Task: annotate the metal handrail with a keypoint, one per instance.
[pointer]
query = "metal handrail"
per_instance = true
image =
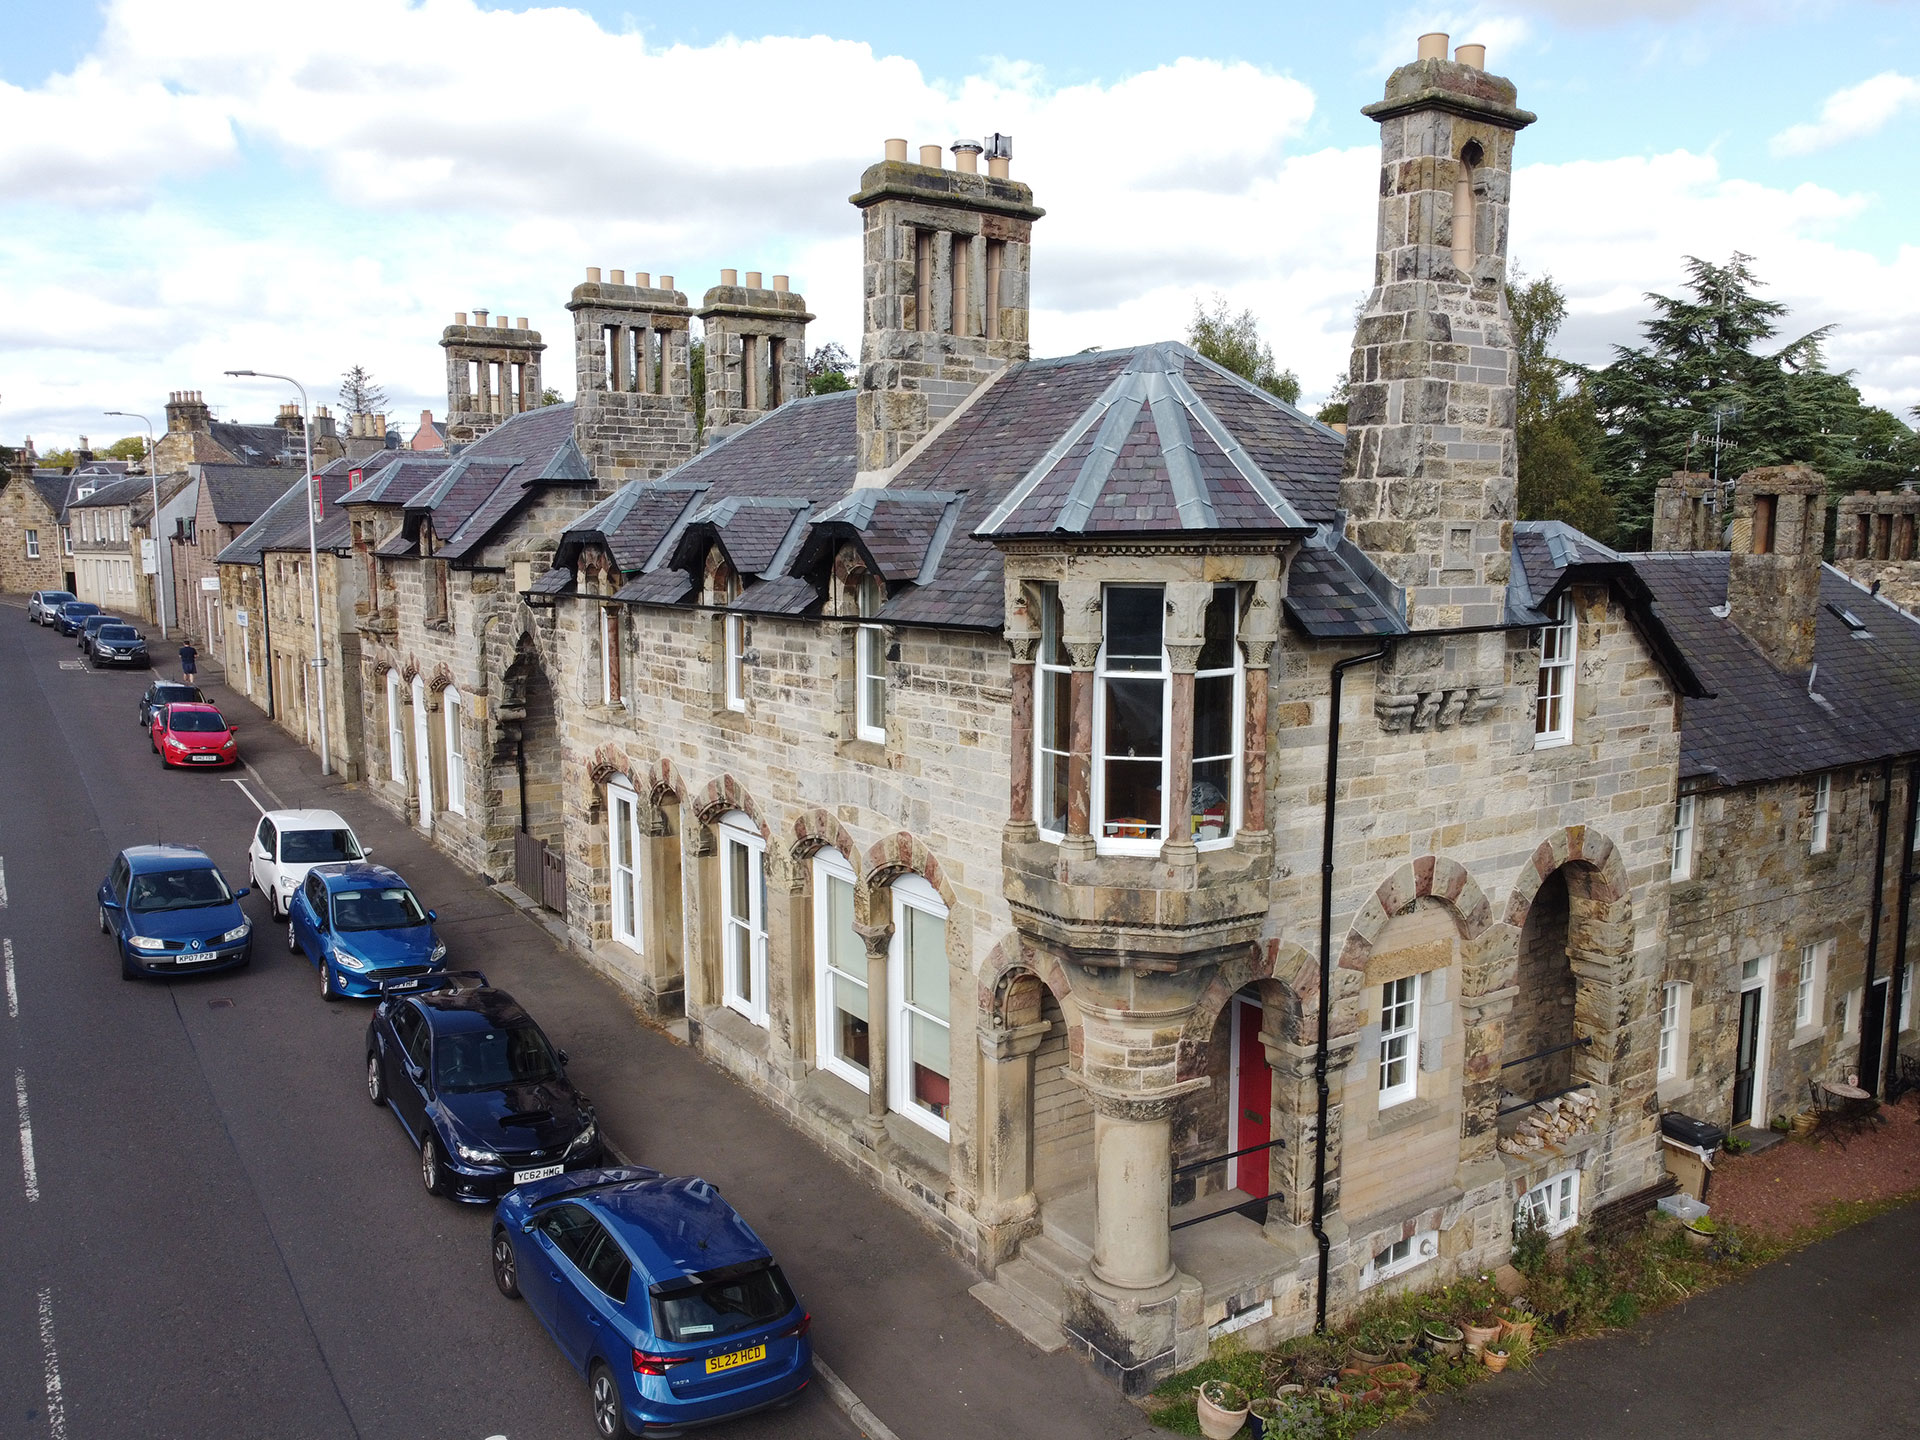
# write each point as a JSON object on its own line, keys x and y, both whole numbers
{"x": 1241, "y": 1208}
{"x": 1551, "y": 1050}
{"x": 1230, "y": 1155}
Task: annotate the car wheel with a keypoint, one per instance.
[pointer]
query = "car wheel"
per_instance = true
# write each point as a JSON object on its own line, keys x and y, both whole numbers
{"x": 608, "y": 1422}
{"x": 105, "y": 929}
{"x": 376, "y": 1082}
{"x": 430, "y": 1175}
{"x": 328, "y": 990}
{"x": 127, "y": 972}
{"x": 506, "y": 1277}
{"x": 293, "y": 941}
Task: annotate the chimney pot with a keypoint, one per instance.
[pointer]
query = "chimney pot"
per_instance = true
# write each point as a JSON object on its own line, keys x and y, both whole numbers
{"x": 780, "y": 284}
{"x": 616, "y": 277}
{"x": 593, "y": 274}
{"x": 523, "y": 322}
{"x": 966, "y": 156}
{"x": 930, "y": 157}
{"x": 459, "y": 317}
{"x": 666, "y": 282}
{"x": 642, "y": 279}
{"x": 1474, "y": 57}
{"x": 998, "y": 165}
{"x": 1433, "y": 45}
{"x": 753, "y": 280}
{"x": 480, "y": 318}
{"x": 897, "y": 150}
{"x": 729, "y": 277}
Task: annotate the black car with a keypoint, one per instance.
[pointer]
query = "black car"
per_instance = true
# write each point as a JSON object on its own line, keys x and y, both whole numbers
{"x": 68, "y": 617}
{"x": 167, "y": 692}
{"x": 477, "y": 1086}
{"x": 119, "y": 645}
{"x": 89, "y": 625}
{"x": 42, "y": 604}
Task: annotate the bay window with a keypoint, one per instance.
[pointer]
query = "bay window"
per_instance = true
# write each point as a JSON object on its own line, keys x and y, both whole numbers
{"x": 1399, "y": 1040}
{"x": 841, "y": 1024}
{"x": 918, "y": 1045}
{"x": 1053, "y": 718}
{"x": 1553, "y": 693}
{"x": 870, "y": 665}
{"x": 1132, "y": 699}
{"x": 1216, "y": 722}
{"x": 743, "y": 908}
{"x": 623, "y": 857}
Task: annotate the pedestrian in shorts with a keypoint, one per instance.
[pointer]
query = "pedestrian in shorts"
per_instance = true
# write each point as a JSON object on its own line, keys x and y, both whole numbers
{"x": 186, "y": 662}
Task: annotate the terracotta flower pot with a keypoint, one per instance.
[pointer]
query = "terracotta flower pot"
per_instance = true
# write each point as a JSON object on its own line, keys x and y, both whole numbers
{"x": 1223, "y": 1412}
{"x": 1362, "y": 1358}
{"x": 1494, "y": 1360}
{"x": 1480, "y": 1336}
{"x": 1398, "y": 1377}
{"x": 1517, "y": 1332}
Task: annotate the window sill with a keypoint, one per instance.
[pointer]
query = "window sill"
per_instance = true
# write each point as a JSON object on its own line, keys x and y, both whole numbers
{"x": 735, "y": 1029}
{"x": 1807, "y": 1034}
{"x": 865, "y": 752}
{"x": 1552, "y": 742}
{"x": 1405, "y": 1115}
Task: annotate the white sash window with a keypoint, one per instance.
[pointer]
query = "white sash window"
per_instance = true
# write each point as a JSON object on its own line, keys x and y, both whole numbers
{"x": 743, "y": 910}
{"x": 918, "y": 1043}
{"x": 840, "y": 973}
{"x": 623, "y": 855}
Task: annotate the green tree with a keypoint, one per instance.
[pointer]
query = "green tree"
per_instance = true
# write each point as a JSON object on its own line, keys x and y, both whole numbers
{"x": 551, "y": 396}
{"x": 360, "y": 393}
{"x": 127, "y": 447}
{"x": 827, "y": 369}
{"x": 1334, "y": 412}
{"x": 59, "y": 460}
{"x": 1233, "y": 341}
{"x": 1555, "y": 430}
{"x": 697, "y": 373}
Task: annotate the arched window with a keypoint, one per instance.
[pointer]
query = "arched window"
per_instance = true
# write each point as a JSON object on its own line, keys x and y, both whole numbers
{"x": 623, "y": 855}
{"x": 396, "y": 731}
{"x": 1132, "y": 700}
{"x": 456, "y": 754}
{"x": 919, "y": 1049}
{"x": 743, "y": 916}
{"x": 839, "y": 972}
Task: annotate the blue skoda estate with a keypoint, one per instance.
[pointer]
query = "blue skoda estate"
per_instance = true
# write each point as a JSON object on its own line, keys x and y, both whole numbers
{"x": 362, "y": 928}
{"x": 170, "y": 912}
{"x": 656, "y": 1291}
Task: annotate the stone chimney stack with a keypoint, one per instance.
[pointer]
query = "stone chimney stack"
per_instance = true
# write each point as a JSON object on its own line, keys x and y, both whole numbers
{"x": 1877, "y": 541}
{"x": 946, "y": 260}
{"x": 493, "y": 372}
{"x": 1686, "y": 513}
{"x": 1431, "y": 471}
{"x": 1773, "y": 578}
{"x": 633, "y": 414}
{"x": 756, "y": 347}
{"x": 187, "y": 412}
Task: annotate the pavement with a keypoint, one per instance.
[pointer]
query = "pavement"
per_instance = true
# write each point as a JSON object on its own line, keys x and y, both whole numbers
{"x": 225, "y": 1239}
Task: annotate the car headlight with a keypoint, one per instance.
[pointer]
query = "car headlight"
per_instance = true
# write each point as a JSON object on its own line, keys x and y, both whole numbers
{"x": 346, "y": 961}
{"x": 584, "y": 1140}
{"x": 439, "y": 953}
{"x": 146, "y": 942}
{"x": 239, "y": 932}
{"x": 286, "y": 883}
{"x": 473, "y": 1156}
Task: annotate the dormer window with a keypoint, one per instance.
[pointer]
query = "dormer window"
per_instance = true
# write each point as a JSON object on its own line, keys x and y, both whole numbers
{"x": 870, "y": 665}
{"x": 1553, "y": 692}
{"x": 1131, "y": 701}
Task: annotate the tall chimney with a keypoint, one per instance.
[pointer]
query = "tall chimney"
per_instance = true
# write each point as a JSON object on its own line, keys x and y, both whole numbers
{"x": 1773, "y": 575}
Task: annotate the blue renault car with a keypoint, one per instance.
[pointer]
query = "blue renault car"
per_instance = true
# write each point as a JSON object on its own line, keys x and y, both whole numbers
{"x": 170, "y": 912}
{"x": 658, "y": 1292}
{"x": 362, "y": 928}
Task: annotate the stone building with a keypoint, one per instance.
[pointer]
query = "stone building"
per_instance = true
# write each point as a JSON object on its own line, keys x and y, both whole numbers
{"x": 633, "y": 406}
{"x": 227, "y": 499}
{"x": 1874, "y": 543}
{"x": 493, "y": 373}
{"x": 756, "y": 350}
{"x": 31, "y": 530}
{"x": 194, "y": 437}
{"x": 106, "y": 566}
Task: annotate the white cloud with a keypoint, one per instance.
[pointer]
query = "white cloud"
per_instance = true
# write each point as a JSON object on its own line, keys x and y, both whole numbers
{"x": 1850, "y": 114}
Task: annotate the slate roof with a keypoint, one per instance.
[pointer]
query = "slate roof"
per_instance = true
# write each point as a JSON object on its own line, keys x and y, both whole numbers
{"x": 1334, "y": 592}
{"x": 284, "y": 525}
{"x": 1861, "y": 703}
{"x": 256, "y": 444}
{"x": 393, "y": 477}
{"x": 112, "y": 492}
{"x": 53, "y": 489}
{"x": 240, "y": 494}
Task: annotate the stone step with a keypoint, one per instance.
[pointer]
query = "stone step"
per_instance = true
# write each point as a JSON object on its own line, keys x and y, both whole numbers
{"x": 1033, "y": 1285}
{"x": 1068, "y": 1223}
{"x": 1057, "y": 1261}
{"x": 1039, "y": 1330}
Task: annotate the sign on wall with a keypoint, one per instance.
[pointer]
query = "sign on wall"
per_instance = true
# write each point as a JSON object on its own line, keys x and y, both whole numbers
{"x": 209, "y": 582}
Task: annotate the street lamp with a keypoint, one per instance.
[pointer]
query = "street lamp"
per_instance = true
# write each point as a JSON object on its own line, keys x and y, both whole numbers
{"x": 313, "y": 552}
{"x": 162, "y": 585}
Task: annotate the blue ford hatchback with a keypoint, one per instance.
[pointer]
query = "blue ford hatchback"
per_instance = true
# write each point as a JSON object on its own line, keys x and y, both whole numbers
{"x": 658, "y": 1292}
{"x": 362, "y": 928}
{"x": 170, "y": 912}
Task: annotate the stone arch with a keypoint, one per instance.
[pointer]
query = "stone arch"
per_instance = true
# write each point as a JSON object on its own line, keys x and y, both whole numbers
{"x": 663, "y": 783}
{"x": 1277, "y": 968}
{"x": 902, "y": 854}
{"x": 409, "y": 669}
{"x": 1597, "y": 857}
{"x": 815, "y": 830}
{"x": 1002, "y": 971}
{"x": 1429, "y": 877}
{"x": 383, "y": 659}
{"x": 441, "y": 679}
{"x": 724, "y": 793}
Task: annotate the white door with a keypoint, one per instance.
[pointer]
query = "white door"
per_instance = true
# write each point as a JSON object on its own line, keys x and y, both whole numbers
{"x": 422, "y": 769}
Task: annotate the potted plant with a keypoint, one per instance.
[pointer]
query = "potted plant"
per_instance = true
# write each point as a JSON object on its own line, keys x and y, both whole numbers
{"x": 1481, "y": 1330}
{"x": 1223, "y": 1409}
{"x": 1295, "y": 1417}
{"x": 1516, "y": 1323}
{"x": 1401, "y": 1335}
{"x": 1495, "y": 1356}
{"x": 1263, "y": 1416}
{"x": 1369, "y": 1349}
{"x": 1444, "y": 1338}
{"x": 1352, "y": 1390}
{"x": 1396, "y": 1378}
{"x": 1701, "y": 1231}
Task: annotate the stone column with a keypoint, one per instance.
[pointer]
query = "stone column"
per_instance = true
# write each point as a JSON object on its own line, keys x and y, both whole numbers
{"x": 1253, "y": 763}
{"x": 1080, "y": 766}
{"x": 1132, "y": 1187}
{"x": 1007, "y": 1205}
{"x": 879, "y": 942}
{"x": 1020, "y": 824}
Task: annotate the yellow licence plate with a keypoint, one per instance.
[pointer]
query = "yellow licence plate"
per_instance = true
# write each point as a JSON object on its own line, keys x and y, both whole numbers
{"x": 717, "y": 1363}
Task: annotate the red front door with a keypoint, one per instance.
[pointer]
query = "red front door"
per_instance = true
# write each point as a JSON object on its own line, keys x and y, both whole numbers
{"x": 1252, "y": 1099}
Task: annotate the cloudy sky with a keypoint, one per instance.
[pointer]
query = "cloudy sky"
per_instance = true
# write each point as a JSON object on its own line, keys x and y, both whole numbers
{"x": 190, "y": 186}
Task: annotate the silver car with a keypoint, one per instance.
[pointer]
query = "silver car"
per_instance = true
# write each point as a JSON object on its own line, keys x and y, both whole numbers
{"x": 42, "y": 603}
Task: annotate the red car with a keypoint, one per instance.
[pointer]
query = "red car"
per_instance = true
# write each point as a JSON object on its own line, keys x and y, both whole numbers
{"x": 193, "y": 735}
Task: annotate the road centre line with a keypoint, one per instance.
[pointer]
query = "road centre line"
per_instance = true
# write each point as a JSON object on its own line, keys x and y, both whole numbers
{"x": 50, "y": 1364}
{"x": 248, "y": 793}
{"x": 27, "y": 1166}
{"x": 13, "y": 990}
{"x": 3, "y": 882}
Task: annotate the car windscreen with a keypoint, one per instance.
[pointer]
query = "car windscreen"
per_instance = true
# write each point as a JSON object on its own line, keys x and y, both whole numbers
{"x": 177, "y": 890}
{"x": 81, "y": 607}
{"x": 392, "y": 908}
{"x": 176, "y": 695}
{"x": 706, "y": 1307}
{"x": 195, "y": 721}
{"x": 54, "y": 598}
{"x": 124, "y": 634}
{"x": 317, "y": 847}
{"x": 493, "y": 1059}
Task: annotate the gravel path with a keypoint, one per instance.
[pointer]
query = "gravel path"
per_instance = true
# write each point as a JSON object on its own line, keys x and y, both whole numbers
{"x": 1790, "y": 1185}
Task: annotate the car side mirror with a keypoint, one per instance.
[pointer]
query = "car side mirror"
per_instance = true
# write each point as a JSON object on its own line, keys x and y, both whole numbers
{"x": 111, "y": 904}
{"x": 564, "y": 1057}
{"x": 526, "y": 1226}
{"x": 365, "y": 853}
{"x": 432, "y": 916}
{"x": 243, "y": 892}
{"x": 233, "y": 729}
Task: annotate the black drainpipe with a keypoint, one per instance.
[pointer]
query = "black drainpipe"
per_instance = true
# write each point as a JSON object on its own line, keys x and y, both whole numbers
{"x": 266, "y": 639}
{"x": 1870, "y": 1065}
{"x": 1340, "y": 669}
{"x": 1891, "y": 1090}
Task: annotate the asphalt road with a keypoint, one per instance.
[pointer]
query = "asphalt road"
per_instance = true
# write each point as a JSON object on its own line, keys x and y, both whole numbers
{"x": 216, "y": 1234}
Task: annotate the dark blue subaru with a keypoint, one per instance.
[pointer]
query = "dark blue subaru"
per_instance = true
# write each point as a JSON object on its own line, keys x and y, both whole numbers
{"x": 658, "y": 1292}
{"x": 170, "y": 912}
{"x": 362, "y": 928}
